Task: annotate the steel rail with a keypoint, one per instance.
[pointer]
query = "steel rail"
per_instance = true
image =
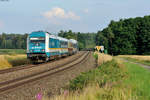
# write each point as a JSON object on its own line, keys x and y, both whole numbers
{"x": 25, "y": 67}
{"x": 4, "y": 86}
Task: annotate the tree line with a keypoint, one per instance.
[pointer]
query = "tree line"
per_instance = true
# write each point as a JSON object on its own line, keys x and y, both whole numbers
{"x": 13, "y": 41}
{"x": 126, "y": 36}
{"x": 85, "y": 40}
{"x": 18, "y": 41}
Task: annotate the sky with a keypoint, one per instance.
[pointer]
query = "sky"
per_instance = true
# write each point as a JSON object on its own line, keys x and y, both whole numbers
{"x": 25, "y": 16}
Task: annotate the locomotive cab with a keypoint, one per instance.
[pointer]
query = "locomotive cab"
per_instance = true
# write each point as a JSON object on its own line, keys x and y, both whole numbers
{"x": 36, "y": 46}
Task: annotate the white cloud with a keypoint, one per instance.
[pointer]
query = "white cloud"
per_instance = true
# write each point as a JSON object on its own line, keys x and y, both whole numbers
{"x": 57, "y": 12}
{"x": 86, "y": 10}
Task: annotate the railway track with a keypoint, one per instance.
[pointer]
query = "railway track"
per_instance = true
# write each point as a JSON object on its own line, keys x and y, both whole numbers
{"x": 12, "y": 84}
{"x": 24, "y": 67}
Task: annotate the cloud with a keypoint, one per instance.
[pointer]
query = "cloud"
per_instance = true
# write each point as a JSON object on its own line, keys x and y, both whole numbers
{"x": 57, "y": 12}
{"x": 86, "y": 10}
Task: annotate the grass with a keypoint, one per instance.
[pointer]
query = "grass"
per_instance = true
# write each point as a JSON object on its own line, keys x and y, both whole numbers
{"x": 107, "y": 73}
{"x": 135, "y": 58}
{"x": 12, "y": 51}
{"x": 95, "y": 55}
{"x": 8, "y": 61}
{"x": 102, "y": 58}
{"x": 98, "y": 84}
{"x": 112, "y": 80}
{"x": 139, "y": 81}
{"x": 4, "y": 64}
{"x": 97, "y": 93}
{"x": 16, "y": 60}
{"x": 12, "y": 57}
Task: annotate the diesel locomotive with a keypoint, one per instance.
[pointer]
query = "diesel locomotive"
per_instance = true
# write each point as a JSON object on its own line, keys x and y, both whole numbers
{"x": 42, "y": 46}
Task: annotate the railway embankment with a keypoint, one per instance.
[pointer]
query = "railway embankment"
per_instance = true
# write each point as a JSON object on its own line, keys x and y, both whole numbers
{"x": 53, "y": 82}
{"x": 111, "y": 80}
{"x": 34, "y": 69}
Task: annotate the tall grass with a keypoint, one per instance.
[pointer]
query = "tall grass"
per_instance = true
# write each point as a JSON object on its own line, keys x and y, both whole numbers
{"x": 16, "y": 60}
{"x": 4, "y": 64}
{"x": 109, "y": 72}
{"x": 95, "y": 55}
{"x": 97, "y": 93}
{"x": 138, "y": 57}
{"x": 113, "y": 80}
{"x": 102, "y": 58}
{"x": 102, "y": 83}
{"x": 8, "y": 61}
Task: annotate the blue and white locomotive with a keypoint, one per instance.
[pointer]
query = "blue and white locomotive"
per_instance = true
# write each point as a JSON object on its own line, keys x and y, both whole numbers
{"x": 44, "y": 46}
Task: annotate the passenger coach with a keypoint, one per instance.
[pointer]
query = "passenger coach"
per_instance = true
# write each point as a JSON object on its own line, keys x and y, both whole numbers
{"x": 44, "y": 46}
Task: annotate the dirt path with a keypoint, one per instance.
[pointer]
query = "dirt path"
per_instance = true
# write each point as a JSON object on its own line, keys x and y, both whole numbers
{"x": 142, "y": 65}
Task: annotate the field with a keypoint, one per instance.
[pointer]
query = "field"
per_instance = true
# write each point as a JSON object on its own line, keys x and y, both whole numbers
{"x": 112, "y": 80}
{"x": 138, "y": 81}
{"x": 12, "y": 57}
{"x": 12, "y": 51}
{"x": 8, "y": 61}
{"x": 137, "y": 58}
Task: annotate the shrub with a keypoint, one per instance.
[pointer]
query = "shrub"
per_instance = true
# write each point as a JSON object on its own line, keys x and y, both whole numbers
{"x": 109, "y": 72}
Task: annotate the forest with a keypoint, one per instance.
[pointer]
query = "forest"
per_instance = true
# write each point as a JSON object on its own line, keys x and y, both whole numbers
{"x": 126, "y": 36}
{"x": 13, "y": 41}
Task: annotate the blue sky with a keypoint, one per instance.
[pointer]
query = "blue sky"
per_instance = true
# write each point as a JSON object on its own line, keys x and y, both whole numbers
{"x": 25, "y": 16}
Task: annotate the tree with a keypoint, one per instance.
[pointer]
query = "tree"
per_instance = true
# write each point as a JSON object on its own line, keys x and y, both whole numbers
{"x": 127, "y": 36}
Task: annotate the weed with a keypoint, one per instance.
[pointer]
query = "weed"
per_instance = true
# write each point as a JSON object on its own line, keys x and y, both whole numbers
{"x": 95, "y": 55}
{"x": 106, "y": 73}
{"x": 99, "y": 84}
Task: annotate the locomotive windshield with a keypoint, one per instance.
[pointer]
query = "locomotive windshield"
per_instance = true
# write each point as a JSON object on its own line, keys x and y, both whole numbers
{"x": 37, "y": 40}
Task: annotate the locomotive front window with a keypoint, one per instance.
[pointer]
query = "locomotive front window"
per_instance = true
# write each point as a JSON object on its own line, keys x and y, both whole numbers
{"x": 37, "y": 40}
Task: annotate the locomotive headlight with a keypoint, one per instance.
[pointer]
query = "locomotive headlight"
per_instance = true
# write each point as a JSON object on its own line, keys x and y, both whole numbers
{"x": 31, "y": 50}
{"x": 43, "y": 50}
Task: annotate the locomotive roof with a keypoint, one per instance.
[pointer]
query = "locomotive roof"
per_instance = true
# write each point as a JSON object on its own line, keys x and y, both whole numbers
{"x": 53, "y": 36}
{"x": 42, "y": 33}
{"x": 39, "y": 33}
{"x": 59, "y": 38}
{"x": 73, "y": 41}
{"x": 62, "y": 39}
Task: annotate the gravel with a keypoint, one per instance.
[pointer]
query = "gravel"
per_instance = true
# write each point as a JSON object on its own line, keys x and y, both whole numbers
{"x": 50, "y": 85}
{"x": 29, "y": 71}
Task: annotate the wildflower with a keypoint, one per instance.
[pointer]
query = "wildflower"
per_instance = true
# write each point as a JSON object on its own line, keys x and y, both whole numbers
{"x": 39, "y": 96}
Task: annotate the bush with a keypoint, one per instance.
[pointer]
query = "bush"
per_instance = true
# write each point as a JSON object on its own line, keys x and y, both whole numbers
{"x": 109, "y": 72}
{"x": 95, "y": 56}
{"x": 16, "y": 60}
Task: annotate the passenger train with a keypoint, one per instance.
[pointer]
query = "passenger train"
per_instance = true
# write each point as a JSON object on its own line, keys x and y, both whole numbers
{"x": 42, "y": 46}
